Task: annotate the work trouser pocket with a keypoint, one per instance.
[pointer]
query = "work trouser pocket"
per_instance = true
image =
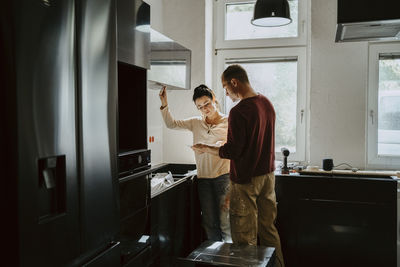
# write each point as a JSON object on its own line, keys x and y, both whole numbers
{"x": 239, "y": 216}
{"x": 243, "y": 215}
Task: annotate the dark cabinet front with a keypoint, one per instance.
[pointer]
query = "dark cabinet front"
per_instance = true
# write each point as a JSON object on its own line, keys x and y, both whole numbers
{"x": 175, "y": 224}
{"x": 337, "y": 221}
{"x": 170, "y": 225}
{"x": 134, "y": 192}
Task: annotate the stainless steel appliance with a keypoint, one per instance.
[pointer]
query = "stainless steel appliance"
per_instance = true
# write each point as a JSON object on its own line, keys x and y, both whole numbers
{"x": 133, "y": 161}
{"x": 59, "y": 95}
{"x": 358, "y": 20}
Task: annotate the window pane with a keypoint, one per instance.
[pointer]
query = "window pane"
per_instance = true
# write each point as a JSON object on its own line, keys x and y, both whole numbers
{"x": 389, "y": 107}
{"x": 168, "y": 72}
{"x": 239, "y": 27}
{"x": 277, "y": 81}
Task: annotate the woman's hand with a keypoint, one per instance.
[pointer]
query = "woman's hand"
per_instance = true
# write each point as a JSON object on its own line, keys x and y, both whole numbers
{"x": 202, "y": 148}
{"x": 163, "y": 96}
{"x": 199, "y": 148}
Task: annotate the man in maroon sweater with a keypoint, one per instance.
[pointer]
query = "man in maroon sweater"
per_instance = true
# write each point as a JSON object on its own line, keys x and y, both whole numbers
{"x": 251, "y": 148}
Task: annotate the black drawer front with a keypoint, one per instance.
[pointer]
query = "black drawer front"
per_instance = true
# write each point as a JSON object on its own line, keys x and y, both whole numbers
{"x": 133, "y": 227}
{"x": 134, "y": 195}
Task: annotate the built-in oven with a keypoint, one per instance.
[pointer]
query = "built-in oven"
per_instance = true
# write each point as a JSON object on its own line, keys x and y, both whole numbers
{"x": 133, "y": 155}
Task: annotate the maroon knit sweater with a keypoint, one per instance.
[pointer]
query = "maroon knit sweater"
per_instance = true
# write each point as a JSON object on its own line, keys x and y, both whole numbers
{"x": 251, "y": 139}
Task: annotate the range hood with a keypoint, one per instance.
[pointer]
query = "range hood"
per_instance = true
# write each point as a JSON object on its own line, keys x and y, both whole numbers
{"x": 360, "y": 20}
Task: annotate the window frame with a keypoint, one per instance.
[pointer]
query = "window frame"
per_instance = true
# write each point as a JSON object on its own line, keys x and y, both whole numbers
{"x": 221, "y": 43}
{"x": 302, "y": 91}
{"x": 373, "y": 159}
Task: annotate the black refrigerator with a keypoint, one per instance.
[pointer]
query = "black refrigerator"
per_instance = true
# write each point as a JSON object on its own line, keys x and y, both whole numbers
{"x": 58, "y": 133}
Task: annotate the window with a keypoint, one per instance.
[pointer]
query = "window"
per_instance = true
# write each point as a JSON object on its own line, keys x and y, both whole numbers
{"x": 238, "y": 26}
{"x": 279, "y": 75}
{"x": 234, "y": 28}
{"x": 275, "y": 60}
{"x": 384, "y": 105}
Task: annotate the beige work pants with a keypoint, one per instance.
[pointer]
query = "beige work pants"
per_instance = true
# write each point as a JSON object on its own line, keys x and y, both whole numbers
{"x": 253, "y": 210}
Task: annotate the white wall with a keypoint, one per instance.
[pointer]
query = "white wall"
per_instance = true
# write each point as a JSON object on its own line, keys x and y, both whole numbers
{"x": 184, "y": 22}
{"x": 338, "y": 89}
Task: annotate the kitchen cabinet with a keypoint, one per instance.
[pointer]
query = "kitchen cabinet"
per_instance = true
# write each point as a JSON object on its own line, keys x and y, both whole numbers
{"x": 337, "y": 221}
{"x": 170, "y": 63}
{"x": 169, "y": 223}
{"x": 133, "y": 44}
{"x": 134, "y": 214}
{"x": 175, "y": 224}
{"x": 155, "y": 231}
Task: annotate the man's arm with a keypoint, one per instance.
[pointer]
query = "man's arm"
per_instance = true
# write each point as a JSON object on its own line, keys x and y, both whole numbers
{"x": 236, "y": 140}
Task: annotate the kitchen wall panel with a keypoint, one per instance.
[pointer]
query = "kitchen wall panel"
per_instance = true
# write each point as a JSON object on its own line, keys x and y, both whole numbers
{"x": 338, "y": 89}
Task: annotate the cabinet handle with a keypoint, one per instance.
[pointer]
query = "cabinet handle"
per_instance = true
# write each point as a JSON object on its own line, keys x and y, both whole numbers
{"x": 371, "y": 114}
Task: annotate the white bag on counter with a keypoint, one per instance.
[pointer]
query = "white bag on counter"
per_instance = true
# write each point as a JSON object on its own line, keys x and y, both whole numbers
{"x": 160, "y": 181}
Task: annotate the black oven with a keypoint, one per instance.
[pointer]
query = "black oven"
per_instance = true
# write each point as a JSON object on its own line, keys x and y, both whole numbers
{"x": 133, "y": 155}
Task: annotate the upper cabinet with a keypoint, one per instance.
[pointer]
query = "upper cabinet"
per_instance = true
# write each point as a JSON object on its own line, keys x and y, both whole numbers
{"x": 170, "y": 63}
{"x": 133, "y": 31}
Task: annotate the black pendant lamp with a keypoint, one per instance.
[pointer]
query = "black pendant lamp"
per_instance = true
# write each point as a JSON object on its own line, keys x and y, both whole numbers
{"x": 271, "y": 13}
{"x": 143, "y": 18}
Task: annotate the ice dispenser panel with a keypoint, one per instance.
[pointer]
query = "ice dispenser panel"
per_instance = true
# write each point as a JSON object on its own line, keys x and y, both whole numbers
{"x": 51, "y": 187}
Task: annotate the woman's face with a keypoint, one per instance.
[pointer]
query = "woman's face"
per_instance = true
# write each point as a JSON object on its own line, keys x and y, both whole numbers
{"x": 206, "y": 105}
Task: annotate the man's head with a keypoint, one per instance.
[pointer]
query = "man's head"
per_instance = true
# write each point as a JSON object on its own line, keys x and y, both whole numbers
{"x": 234, "y": 80}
